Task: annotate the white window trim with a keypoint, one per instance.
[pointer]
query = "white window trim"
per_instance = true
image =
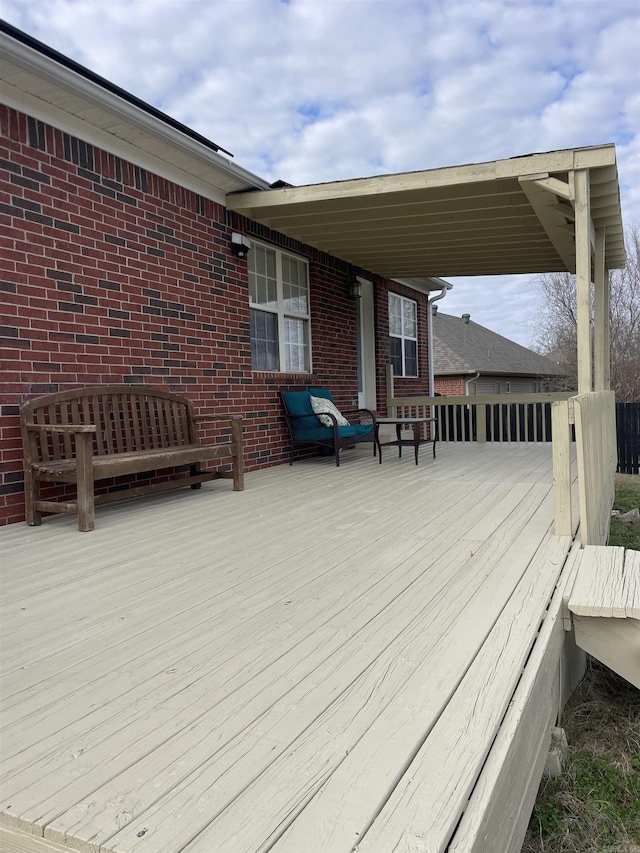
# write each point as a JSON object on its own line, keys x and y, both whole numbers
{"x": 404, "y": 337}
{"x": 281, "y": 313}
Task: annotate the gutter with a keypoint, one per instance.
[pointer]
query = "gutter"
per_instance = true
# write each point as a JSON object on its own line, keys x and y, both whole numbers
{"x": 443, "y": 292}
{"x": 468, "y": 382}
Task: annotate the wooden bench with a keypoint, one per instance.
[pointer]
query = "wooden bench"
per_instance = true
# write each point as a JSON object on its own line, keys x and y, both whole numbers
{"x": 91, "y": 434}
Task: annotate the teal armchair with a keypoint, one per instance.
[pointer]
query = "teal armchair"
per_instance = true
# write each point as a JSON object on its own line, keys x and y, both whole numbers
{"x": 324, "y": 429}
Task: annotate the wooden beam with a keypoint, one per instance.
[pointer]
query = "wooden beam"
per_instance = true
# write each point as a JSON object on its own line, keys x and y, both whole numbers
{"x": 566, "y": 210}
{"x": 561, "y": 450}
{"x": 614, "y": 642}
{"x": 583, "y": 280}
{"x": 601, "y": 321}
{"x": 542, "y": 196}
{"x": 555, "y": 186}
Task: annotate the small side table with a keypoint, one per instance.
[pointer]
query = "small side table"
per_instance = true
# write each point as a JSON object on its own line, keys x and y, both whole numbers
{"x": 416, "y": 424}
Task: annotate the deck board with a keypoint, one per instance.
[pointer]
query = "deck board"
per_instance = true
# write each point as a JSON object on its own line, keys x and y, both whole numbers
{"x": 240, "y": 671}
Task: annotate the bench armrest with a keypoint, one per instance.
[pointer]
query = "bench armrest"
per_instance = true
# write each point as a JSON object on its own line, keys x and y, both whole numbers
{"x": 68, "y": 428}
{"x": 218, "y": 417}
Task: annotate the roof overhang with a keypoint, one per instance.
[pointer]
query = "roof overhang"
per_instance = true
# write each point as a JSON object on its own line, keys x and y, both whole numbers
{"x": 512, "y": 216}
{"x": 58, "y": 91}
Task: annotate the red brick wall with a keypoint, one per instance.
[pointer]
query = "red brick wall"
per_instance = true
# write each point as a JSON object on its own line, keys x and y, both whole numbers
{"x": 450, "y": 386}
{"x": 419, "y": 385}
{"x": 111, "y": 274}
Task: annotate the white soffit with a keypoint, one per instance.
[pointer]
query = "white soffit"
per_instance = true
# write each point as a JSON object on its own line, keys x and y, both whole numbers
{"x": 503, "y": 217}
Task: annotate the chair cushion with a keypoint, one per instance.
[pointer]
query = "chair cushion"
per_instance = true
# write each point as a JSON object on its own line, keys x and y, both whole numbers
{"x": 364, "y": 429}
{"x": 321, "y": 392}
{"x": 299, "y": 403}
{"x": 321, "y": 405}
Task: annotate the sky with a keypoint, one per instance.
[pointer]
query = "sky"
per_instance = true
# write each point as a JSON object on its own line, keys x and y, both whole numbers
{"x": 319, "y": 90}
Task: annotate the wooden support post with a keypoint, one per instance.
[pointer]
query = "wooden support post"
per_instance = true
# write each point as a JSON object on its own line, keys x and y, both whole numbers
{"x": 583, "y": 278}
{"x": 601, "y": 328}
{"x": 561, "y": 450}
{"x": 86, "y": 508}
{"x": 238, "y": 453}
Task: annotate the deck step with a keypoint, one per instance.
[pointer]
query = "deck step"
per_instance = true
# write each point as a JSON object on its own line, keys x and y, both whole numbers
{"x": 17, "y": 841}
{"x": 605, "y": 603}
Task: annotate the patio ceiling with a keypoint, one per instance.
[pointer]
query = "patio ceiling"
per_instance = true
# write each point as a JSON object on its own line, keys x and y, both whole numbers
{"x": 502, "y": 217}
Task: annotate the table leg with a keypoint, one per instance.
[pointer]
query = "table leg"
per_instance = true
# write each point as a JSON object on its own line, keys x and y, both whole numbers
{"x": 416, "y": 440}
{"x": 399, "y": 439}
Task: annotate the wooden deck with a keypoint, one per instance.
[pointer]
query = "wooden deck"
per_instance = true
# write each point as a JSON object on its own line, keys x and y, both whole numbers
{"x": 318, "y": 663}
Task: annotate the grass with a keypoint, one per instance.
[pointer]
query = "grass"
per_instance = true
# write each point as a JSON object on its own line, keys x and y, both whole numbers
{"x": 594, "y": 807}
{"x": 627, "y": 497}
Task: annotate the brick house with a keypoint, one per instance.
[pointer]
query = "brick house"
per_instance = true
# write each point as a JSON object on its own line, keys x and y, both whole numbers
{"x": 118, "y": 267}
{"x": 469, "y": 359}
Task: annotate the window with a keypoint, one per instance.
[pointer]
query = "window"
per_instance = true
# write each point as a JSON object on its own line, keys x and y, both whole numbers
{"x": 279, "y": 301}
{"x": 403, "y": 332}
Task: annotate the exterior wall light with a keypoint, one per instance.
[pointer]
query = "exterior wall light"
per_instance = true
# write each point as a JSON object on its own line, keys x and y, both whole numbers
{"x": 240, "y": 245}
{"x": 355, "y": 290}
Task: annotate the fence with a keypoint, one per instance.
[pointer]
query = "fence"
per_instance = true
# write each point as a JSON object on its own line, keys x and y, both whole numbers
{"x": 628, "y": 436}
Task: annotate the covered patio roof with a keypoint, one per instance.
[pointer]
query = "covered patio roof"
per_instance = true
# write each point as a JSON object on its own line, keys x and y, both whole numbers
{"x": 502, "y": 217}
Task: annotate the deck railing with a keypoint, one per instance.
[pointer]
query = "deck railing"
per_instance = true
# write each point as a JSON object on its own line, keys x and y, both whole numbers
{"x": 587, "y": 419}
{"x": 497, "y": 417}
{"x": 594, "y": 418}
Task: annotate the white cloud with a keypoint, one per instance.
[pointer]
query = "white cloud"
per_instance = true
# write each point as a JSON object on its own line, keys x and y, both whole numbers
{"x": 316, "y": 90}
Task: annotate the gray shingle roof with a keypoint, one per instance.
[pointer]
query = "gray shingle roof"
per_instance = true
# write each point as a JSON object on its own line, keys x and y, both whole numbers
{"x": 461, "y": 347}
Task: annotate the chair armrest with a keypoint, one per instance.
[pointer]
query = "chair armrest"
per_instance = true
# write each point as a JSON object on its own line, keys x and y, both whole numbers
{"x": 370, "y": 412}
{"x": 312, "y": 415}
{"x": 68, "y": 428}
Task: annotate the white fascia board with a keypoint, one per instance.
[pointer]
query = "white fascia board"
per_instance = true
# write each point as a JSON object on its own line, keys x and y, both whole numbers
{"x": 424, "y": 285}
{"x": 226, "y": 176}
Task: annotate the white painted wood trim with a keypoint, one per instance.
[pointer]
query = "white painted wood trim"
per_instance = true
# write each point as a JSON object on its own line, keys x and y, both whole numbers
{"x": 607, "y": 583}
{"x": 614, "y": 642}
{"x": 561, "y": 450}
{"x": 601, "y": 326}
{"x": 583, "y": 279}
{"x": 594, "y": 416}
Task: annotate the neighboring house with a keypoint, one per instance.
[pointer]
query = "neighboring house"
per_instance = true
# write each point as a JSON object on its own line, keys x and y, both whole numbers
{"x": 470, "y": 359}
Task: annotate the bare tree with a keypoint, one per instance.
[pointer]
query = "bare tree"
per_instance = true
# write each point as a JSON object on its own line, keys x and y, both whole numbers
{"x": 555, "y": 322}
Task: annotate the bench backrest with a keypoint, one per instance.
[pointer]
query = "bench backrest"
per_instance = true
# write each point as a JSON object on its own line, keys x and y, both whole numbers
{"x": 127, "y": 418}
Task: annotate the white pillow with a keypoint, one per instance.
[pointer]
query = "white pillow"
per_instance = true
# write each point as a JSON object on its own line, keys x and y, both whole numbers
{"x": 320, "y": 405}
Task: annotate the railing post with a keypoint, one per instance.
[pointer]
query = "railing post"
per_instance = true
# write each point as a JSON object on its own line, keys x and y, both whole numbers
{"x": 390, "y": 391}
{"x": 481, "y": 423}
{"x": 596, "y": 456}
{"x": 561, "y": 450}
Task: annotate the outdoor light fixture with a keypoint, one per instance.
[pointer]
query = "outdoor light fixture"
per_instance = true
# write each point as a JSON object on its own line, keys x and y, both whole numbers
{"x": 240, "y": 245}
{"x": 355, "y": 290}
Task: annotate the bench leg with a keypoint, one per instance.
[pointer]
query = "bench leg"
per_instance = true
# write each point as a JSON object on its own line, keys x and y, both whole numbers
{"x": 194, "y": 470}
{"x": 31, "y": 495}
{"x": 238, "y": 455}
{"x": 86, "y": 506}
